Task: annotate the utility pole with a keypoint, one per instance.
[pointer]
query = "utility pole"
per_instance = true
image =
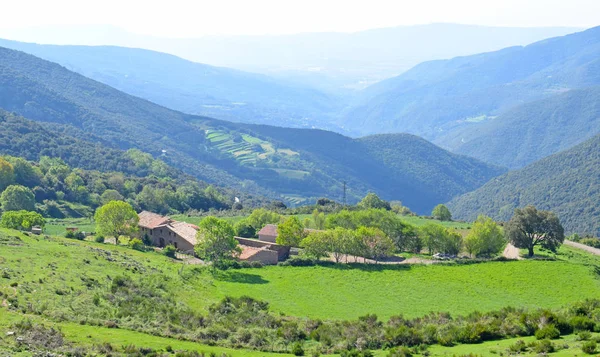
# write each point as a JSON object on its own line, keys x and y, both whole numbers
{"x": 344, "y": 197}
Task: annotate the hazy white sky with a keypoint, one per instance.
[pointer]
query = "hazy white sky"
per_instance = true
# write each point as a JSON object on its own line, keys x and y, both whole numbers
{"x": 188, "y": 18}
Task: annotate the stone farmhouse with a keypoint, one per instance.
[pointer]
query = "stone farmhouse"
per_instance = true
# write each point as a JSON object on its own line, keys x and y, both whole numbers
{"x": 164, "y": 231}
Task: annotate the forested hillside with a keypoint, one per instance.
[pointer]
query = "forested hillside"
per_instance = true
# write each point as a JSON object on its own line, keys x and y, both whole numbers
{"x": 292, "y": 164}
{"x": 70, "y": 177}
{"x": 566, "y": 183}
{"x": 436, "y": 97}
{"x": 531, "y": 131}
{"x": 191, "y": 87}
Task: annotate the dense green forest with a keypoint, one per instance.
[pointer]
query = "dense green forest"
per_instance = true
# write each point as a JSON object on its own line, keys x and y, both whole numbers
{"x": 436, "y": 97}
{"x": 531, "y": 131}
{"x": 566, "y": 183}
{"x": 304, "y": 164}
{"x": 69, "y": 176}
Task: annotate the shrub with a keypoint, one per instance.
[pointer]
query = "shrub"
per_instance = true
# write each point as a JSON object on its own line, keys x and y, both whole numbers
{"x": 589, "y": 347}
{"x": 297, "y": 349}
{"x": 582, "y": 323}
{"x": 584, "y": 335}
{"x": 137, "y": 244}
{"x": 170, "y": 251}
{"x": 79, "y": 235}
{"x": 256, "y": 264}
{"x": 70, "y": 234}
{"x": 519, "y": 346}
{"x": 547, "y": 332}
{"x": 146, "y": 239}
{"x": 544, "y": 346}
{"x": 591, "y": 242}
{"x": 99, "y": 239}
{"x": 402, "y": 351}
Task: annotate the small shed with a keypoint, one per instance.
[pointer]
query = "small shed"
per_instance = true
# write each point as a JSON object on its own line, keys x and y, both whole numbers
{"x": 36, "y": 230}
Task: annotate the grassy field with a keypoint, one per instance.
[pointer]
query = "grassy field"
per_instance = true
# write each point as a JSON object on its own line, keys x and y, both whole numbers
{"x": 58, "y": 227}
{"x": 60, "y": 277}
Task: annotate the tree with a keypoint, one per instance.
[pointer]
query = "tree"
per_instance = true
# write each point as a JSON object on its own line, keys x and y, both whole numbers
{"x": 529, "y": 227}
{"x": 22, "y": 220}
{"x": 371, "y": 200}
{"x": 376, "y": 242}
{"x": 318, "y": 219}
{"x": 244, "y": 229}
{"x": 432, "y": 235}
{"x": 316, "y": 244}
{"x": 25, "y": 173}
{"x": 110, "y": 195}
{"x": 486, "y": 238}
{"x": 7, "y": 174}
{"x": 17, "y": 198}
{"x": 452, "y": 242}
{"x": 115, "y": 219}
{"x": 216, "y": 241}
{"x": 441, "y": 213}
{"x": 290, "y": 232}
{"x": 261, "y": 217}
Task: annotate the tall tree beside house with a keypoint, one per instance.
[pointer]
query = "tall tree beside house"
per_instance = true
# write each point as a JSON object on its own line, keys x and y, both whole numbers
{"x": 442, "y": 213}
{"x": 115, "y": 219}
{"x": 529, "y": 227}
{"x": 216, "y": 241}
{"x": 17, "y": 198}
{"x": 291, "y": 232}
{"x": 7, "y": 174}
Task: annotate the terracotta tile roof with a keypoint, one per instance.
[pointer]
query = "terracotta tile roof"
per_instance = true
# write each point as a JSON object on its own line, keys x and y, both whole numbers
{"x": 248, "y": 252}
{"x": 269, "y": 230}
{"x": 152, "y": 220}
{"x": 185, "y": 230}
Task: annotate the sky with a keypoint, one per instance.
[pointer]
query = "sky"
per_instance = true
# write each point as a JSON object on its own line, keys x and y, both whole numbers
{"x": 189, "y": 18}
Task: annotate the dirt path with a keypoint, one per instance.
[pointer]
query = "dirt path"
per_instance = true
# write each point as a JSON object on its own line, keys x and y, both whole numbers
{"x": 589, "y": 249}
{"x": 511, "y": 252}
{"x": 388, "y": 261}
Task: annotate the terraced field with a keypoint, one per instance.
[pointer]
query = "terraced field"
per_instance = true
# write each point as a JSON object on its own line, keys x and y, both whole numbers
{"x": 248, "y": 150}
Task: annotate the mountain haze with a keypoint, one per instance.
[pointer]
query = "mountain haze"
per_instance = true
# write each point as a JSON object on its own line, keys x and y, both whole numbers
{"x": 329, "y": 60}
{"x": 437, "y": 97}
{"x": 191, "y": 87}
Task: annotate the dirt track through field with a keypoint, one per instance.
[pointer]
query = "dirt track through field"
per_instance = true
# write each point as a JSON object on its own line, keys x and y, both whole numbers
{"x": 511, "y": 252}
{"x": 589, "y": 249}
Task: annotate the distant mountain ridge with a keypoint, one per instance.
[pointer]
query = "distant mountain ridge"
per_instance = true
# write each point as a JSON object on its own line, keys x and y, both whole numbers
{"x": 531, "y": 131}
{"x": 567, "y": 183}
{"x": 328, "y": 60}
{"x": 191, "y": 87}
{"x": 290, "y": 164}
{"x": 437, "y": 97}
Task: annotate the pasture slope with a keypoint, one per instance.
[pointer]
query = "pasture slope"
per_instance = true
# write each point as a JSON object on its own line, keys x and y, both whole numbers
{"x": 56, "y": 280}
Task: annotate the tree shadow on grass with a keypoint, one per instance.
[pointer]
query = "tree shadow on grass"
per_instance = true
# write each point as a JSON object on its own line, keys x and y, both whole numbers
{"x": 239, "y": 277}
{"x": 369, "y": 267}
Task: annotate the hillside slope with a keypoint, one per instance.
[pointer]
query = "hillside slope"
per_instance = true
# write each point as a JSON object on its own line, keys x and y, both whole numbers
{"x": 290, "y": 164}
{"x": 436, "y": 97}
{"x": 567, "y": 183}
{"x": 530, "y": 131}
{"x": 191, "y": 87}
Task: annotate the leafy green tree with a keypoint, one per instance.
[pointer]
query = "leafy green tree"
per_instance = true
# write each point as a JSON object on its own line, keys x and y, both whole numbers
{"x": 291, "y": 232}
{"x": 110, "y": 195}
{"x": 376, "y": 242}
{"x": 7, "y": 174}
{"x": 216, "y": 241}
{"x": 261, "y": 217}
{"x": 529, "y": 227}
{"x": 115, "y": 219}
{"x": 485, "y": 238}
{"x": 317, "y": 244}
{"x": 452, "y": 242}
{"x": 371, "y": 200}
{"x": 22, "y": 220}
{"x": 318, "y": 219}
{"x": 442, "y": 213}
{"x": 244, "y": 229}
{"x": 17, "y": 198}
{"x": 25, "y": 173}
{"x": 433, "y": 235}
